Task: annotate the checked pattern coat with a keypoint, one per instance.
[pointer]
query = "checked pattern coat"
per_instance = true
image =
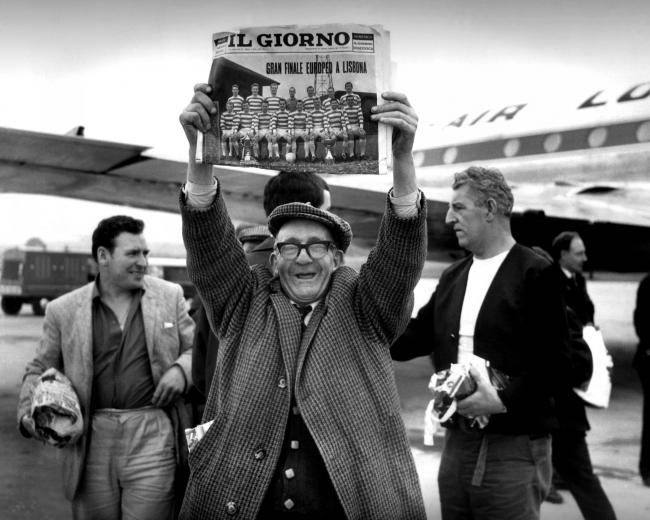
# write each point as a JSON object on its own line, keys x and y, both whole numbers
{"x": 340, "y": 373}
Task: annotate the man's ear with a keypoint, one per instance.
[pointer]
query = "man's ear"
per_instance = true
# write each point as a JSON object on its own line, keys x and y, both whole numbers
{"x": 563, "y": 254}
{"x": 338, "y": 259}
{"x": 273, "y": 263}
{"x": 103, "y": 255}
{"x": 492, "y": 208}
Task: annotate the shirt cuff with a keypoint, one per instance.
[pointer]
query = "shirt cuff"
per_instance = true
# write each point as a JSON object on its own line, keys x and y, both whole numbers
{"x": 200, "y": 195}
{"x": 405, "y": 206}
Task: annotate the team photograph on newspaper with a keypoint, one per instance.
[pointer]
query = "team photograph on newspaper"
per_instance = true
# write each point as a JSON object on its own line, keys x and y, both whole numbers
{"x": 299, "y": 98}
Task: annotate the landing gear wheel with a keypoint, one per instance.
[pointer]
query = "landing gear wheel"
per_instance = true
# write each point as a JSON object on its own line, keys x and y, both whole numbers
{"x": 11, "y": 305}
{"x": 38, "y": 306}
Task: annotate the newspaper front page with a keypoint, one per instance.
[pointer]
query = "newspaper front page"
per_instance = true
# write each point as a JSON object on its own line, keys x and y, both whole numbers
{"x": 299, "y": 98}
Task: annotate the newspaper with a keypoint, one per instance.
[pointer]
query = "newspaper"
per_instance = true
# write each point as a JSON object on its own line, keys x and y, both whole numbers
{"x": 599, "y": 387}
{"x": 299, "y": 98}
{"x": 194, "y": 435}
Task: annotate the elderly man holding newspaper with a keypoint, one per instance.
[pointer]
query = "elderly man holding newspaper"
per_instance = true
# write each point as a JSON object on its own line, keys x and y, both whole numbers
{"x": 304, "y": 408}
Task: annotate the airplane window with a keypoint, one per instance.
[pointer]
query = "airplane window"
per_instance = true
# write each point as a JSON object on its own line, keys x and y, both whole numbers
{"x": 450, "y": 155}
{"x": 511, "y": 147}
{"x": 597, "y": 137}
{"x": 552, "y": 142}
{"x": 418, "y": 158}
{"x": 643, "y": 132}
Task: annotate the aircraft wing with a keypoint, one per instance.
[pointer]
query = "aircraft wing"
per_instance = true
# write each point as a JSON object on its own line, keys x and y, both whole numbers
{"x": 77, "y": 167}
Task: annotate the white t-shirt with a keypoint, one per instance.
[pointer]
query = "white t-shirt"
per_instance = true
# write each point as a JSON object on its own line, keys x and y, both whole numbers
{"x": 479, "y": 279}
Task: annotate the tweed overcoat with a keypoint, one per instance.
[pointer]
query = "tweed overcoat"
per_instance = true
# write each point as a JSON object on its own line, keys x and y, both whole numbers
{"x": 67, "y": 344}
{"x": 340, "y": 373}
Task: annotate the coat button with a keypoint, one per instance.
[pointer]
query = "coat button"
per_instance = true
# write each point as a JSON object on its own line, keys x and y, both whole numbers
{"x": 282, "y": 383}
{"x": 288, "y": 503}
{"x": 231, "y": 508}
{"x": 289, "y": 473}
{"x": 260, "y": 454}
{"x": 295, "y": 445}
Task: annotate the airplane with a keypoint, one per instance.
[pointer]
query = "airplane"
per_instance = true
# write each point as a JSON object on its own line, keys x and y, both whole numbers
{"x": 584, "y": 167}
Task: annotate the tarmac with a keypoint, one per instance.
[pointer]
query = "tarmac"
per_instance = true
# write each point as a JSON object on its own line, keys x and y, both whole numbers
{"x": 30, "y": 485}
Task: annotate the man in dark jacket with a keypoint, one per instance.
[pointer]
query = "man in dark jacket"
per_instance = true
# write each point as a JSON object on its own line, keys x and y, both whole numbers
{"x": 502, "y": 305}
{"x": 571, "y": 458}
{"x": 570, "y": 255}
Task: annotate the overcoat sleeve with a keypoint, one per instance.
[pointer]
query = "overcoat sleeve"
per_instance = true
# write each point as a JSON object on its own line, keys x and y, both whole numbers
{"x": 216, "y": 262}
{"x": 386, "y": 281}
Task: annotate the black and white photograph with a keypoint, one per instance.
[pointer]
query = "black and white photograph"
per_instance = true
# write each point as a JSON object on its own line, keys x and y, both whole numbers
{"x": 336, "y": 261}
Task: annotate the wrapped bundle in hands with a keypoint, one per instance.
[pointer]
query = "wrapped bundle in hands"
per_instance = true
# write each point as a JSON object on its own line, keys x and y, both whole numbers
{"x": 55, "y": 409}
{"x": 448, "y": 386}
{"x": 456, "y": 383}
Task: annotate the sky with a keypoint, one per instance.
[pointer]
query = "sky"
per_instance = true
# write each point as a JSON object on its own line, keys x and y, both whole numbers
{"x": 125, "y": 69}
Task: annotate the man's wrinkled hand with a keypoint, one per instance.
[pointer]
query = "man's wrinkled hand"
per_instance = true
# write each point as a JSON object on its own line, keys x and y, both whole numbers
{"x": 196, "y": 116}
{"x": 170, "y": 387}
{"x": 398, "y": 113}
{"x": 484, "y": 401}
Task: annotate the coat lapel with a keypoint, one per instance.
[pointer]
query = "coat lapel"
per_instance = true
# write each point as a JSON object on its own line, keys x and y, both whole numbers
{"x": 149, "y": 308}
{"x": 458, "y": 289}
{"x": 81, "y": 338}
{"x": 308, "y": 336}
{"x": 493, "y": 289}
{"x": 288, "y": 320}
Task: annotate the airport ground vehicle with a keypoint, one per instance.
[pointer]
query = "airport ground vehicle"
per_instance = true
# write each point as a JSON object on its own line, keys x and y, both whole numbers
{"x": 36, "y": 276}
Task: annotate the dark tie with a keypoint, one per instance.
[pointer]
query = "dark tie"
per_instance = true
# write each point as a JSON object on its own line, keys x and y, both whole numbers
{"x": 303, "y": 310}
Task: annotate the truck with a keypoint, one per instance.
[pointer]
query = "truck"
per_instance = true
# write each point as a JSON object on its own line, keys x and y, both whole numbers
{"x": 35, "y": 276}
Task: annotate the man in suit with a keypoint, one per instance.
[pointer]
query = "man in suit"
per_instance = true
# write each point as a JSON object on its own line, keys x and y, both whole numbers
{"x": 305, "y": 411}
{"x": 570, "y": 254}
{"x": 499, "y": 304}
{"x": 124, "y": 342}
{"x": 642, "y": 365}
{"x": 571, "y": 460}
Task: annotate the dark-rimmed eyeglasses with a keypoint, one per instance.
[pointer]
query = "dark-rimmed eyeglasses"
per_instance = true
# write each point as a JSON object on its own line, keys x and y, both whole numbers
{"x": 316, "y": 250}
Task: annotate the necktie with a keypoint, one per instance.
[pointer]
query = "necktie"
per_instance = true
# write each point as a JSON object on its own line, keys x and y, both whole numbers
{"x": 303, "y": 310}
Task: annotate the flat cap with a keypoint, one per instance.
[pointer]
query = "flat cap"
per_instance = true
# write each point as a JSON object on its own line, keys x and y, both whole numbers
{"x": 340, "y": 229}
{"x": 251, "y": 232}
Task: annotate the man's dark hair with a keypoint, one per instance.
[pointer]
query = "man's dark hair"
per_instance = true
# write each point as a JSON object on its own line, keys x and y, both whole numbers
{"x": 562, "y": 242}
{"x": 288, "y": 187}
{"x": 109, "y": 228}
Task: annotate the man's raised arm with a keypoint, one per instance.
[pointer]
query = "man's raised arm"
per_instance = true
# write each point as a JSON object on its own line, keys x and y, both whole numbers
{"x": 196, "y": 118}
{"x": 398, "y": 113}
{"x": 394, "y": 265}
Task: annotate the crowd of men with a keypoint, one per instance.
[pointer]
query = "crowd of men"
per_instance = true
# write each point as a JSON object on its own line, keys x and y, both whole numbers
{"x": 281, "y": 123}
{"x": 293, "y": 350}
